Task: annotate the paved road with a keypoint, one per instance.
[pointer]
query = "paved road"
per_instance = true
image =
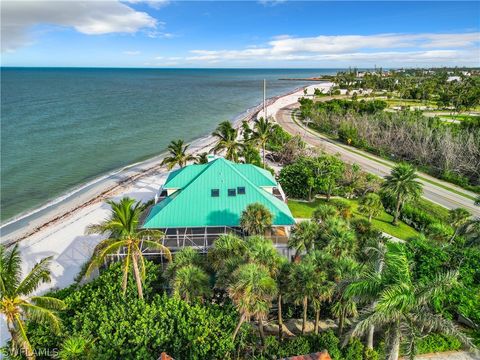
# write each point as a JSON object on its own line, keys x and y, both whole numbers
{"x": 349, "y": 154}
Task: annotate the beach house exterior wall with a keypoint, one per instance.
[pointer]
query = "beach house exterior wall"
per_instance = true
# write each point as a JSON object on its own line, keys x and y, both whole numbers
{"x": 198, "y": 203}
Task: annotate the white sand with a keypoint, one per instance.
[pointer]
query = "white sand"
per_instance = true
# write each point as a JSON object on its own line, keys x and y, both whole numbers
{"x": 64, "y": 238}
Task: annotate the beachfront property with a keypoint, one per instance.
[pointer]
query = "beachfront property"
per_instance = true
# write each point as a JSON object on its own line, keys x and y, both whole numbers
{"x": 198, "y": 203}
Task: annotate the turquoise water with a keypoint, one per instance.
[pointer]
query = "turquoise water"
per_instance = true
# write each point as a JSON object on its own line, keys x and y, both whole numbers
{"x": 62, "y": 127}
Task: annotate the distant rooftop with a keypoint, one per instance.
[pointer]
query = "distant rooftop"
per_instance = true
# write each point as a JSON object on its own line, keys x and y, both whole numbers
{"x": 215, "y": 194}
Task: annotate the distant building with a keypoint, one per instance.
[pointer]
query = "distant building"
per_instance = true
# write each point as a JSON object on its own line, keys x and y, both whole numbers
{"x": 198, "y": 203}
{"x": 454, "y": 78}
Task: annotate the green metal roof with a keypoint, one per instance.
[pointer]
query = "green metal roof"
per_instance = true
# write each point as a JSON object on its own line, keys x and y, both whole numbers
{"x": 180, "y": 178}
{"x": 193, "y": 205}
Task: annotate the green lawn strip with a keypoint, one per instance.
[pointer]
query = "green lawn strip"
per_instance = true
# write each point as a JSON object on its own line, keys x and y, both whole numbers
{"x": 314, "y": 132}
{"x": 382, "y": 223}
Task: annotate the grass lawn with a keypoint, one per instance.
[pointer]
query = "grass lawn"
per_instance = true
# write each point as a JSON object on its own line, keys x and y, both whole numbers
{"x": 460, "y": 117}
{"x": 383, "y": 222}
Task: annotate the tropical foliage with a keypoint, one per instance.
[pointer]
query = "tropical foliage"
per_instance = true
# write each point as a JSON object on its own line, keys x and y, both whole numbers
{"x": 18, "y": 305}
{"x": 122, "y": 227}
{"x": 177, "y": 155}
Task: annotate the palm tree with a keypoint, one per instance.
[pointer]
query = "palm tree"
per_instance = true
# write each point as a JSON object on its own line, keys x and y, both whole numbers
{"x": 471, "y": 232}
{"x": 201, "y": 158}
{"x": 303, "y": 237}
{"x": 77, "y": 347}
{"x": 404, "y": 307}
{"x": 225, "y": 256}
{"x": 324, "y": 212}
{"x": 370, "y": 205}
{"x": 262, "y": 132}
{"x": 283, "y": 286}
{"x": 227, "y": 141}
{"x": 16, "y": 303}
{"x": 337, "y": 238}
{"x": 123, "y": 230}
{"x": 191, "y": 283}
{"x": 177, "y": 155}
{"x": 188, "y": 278}
{"x": 457, "y": 218}
{"x": 402, "y": 185}
{"x": 366, "y": 288}
{"x": 256, "y": 219}
{"x": 252, "y": 290}
{"x": 304, "y": 278}
{"x": 344, "y": 305}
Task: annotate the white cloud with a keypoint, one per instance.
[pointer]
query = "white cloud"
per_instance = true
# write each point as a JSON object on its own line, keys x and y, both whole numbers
{"x": 132, "y": 52}
{"x": 388, "y": 48}
{"x": 271, "y": 2}
{"x": 89, "y": 17}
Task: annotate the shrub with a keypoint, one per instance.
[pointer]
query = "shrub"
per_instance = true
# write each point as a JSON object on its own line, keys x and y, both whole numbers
{"x": 437, "y": 343}
{"x": 125, "y": 327}
{"x": 326, "y": 340}
{"x": 354, "y": 350}
{"x": 298, "y": 345}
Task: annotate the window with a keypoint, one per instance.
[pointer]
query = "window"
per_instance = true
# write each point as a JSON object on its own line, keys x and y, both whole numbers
{"x": 232, "y": 192}
{"x": 241, "y": 190}
{"x": 215, "y": 192}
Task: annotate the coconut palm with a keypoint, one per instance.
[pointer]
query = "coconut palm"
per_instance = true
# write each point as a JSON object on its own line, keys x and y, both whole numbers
{"x": 191, "y": 283}
{"x": 77, "y": 347}
{"x": 471, "y": 232}
{"x": 123, "y": 230}
{"x": 177, "y": 154}
{"x": 252, "y": 290}
{"x": 457, "y": 218}
{"x": 16, "y": 302}
{"x": 227, "y": 141}
{"x": 402, "y": 185}
{"x": 201, "y": 158}
{"x": 303, "y": 237}
{"x": 403, "y": 306}
{"x": 262, "y": 132}
{"x": 256, "y": 219}
{"x": 366, "y": 287}
{"x": 370, "y": 206}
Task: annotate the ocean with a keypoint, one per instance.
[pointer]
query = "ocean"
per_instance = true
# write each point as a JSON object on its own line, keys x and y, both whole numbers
{"x": 63, "y": 127}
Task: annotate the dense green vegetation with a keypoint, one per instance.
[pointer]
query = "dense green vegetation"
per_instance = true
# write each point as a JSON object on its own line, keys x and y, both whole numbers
{"x": 431, "y": 85}
{"x": 446, "y": 150}
{"x": 381, "y": 222}
{"x": 385, "y": 298}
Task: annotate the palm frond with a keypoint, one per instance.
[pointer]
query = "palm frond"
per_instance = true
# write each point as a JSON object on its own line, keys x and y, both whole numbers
{"x": 40, "y": 314}
{"x": 48, "y": 302}
{"x": 40, "y": 273}
{"x": 99, "y": 257}
{"x": 10, "y": 269}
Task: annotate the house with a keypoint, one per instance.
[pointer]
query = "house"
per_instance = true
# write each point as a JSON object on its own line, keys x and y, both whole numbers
{"x": 198, "y": 203}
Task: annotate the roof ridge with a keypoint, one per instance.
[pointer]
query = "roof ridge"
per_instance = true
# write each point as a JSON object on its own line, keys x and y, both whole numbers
{"x": 270, "y": 197}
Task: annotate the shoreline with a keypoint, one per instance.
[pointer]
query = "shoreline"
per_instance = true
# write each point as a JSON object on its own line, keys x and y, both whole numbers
{"x": 109, "y": 185}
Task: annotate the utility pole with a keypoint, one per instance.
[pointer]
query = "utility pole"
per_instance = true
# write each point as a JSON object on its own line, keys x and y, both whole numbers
{"x": 264, "y": 99}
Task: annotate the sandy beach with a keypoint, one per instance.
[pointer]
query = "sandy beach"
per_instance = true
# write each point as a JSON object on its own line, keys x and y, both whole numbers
{"x": 59, "y": 231}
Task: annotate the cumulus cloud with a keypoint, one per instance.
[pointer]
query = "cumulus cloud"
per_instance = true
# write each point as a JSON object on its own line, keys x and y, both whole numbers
{"x": 434, "y": 48}
{"x": 88, "y": 17}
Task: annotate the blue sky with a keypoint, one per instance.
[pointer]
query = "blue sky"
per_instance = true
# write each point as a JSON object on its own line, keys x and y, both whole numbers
{"x": 293, "y": 34}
